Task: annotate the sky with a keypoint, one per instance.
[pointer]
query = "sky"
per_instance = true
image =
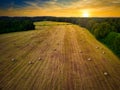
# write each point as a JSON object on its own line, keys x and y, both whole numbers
{"x": 60, "y": 8}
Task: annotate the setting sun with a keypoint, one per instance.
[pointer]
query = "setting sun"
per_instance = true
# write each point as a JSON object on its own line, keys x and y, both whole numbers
{"x": 85, "y": 14}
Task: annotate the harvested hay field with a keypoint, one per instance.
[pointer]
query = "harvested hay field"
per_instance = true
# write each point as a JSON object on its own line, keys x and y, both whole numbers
{"x": 56, "y": 57}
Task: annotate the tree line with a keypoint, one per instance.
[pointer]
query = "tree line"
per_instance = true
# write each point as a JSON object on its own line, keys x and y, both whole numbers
{"x": 8, "y": 24}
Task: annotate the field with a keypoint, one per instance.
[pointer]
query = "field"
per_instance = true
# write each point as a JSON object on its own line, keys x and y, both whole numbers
{"x": 56, "y": 56}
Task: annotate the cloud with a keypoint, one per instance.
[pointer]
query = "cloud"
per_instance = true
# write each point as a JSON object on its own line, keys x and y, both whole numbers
{"x": 63, "y": 7}
{"x": 75, "y": 4}
{"x": 95, "y": 5}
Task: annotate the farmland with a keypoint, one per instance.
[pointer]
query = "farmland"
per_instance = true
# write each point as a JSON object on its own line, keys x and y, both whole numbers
{"x": 56, "y": 56}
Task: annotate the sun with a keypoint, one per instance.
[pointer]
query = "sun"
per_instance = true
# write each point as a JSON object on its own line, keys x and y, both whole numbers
{"x": 85, "y": 14}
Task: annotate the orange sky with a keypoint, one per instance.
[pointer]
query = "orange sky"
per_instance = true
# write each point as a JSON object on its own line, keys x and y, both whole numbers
{"x": 74, "y": 8}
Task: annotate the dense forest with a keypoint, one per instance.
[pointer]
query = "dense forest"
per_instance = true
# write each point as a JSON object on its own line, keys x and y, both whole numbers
{"x": 106, "y": 30}
{"x": 15, "y": 24}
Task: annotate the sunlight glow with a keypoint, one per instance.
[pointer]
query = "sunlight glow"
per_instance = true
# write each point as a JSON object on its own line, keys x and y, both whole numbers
{"x": 85, "y": 14}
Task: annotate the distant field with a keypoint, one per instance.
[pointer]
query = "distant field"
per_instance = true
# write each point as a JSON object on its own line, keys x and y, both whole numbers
{"x": 56, "y": 56}
{"x": 48, "y": 23}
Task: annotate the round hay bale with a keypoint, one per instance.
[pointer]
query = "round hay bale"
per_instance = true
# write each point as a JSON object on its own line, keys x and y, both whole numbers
{"x": 12, "y": 59}
{"x": 30, "y": 62}
{"x": 39, "y": 58}
{"x": 96, "y": 47}
{"x": 105, "y": 73}
{"x": 103, "y": 52}
{"x": 89, "y": 59}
